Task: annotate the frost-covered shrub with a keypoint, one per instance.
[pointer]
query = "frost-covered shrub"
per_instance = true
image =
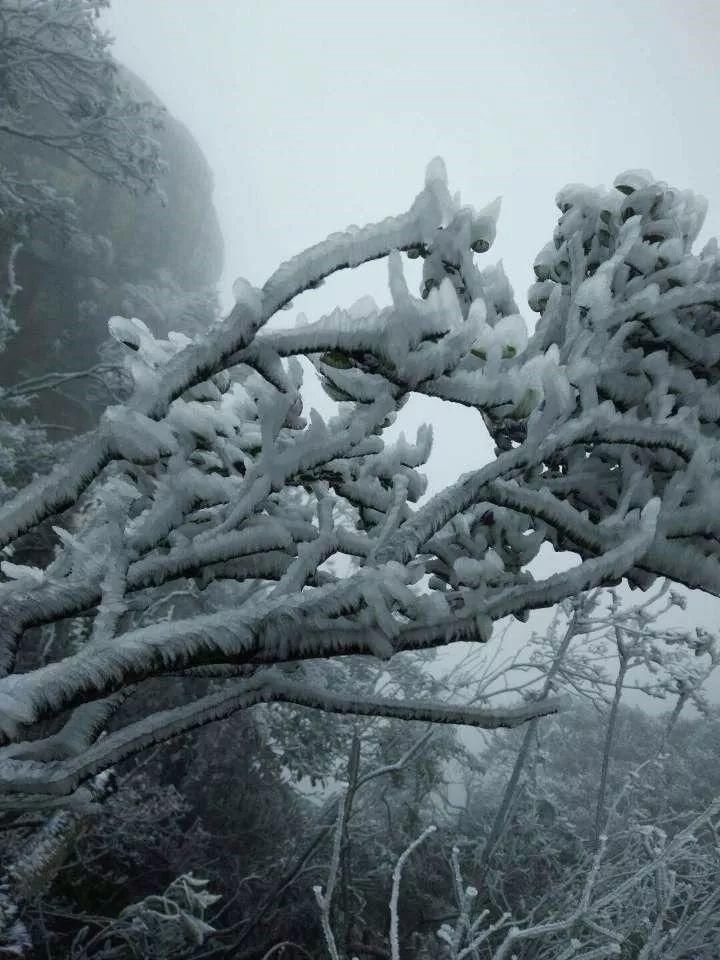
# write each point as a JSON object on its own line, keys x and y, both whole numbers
{"x": 159, "y": 927}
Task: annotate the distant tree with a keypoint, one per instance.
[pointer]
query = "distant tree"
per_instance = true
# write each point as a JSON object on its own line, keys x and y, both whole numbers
{"x": 60, "y": 92}
{"x": 60, "y": 95}
{"x": 59, "y": 89}
{"x": 520, "y": 867}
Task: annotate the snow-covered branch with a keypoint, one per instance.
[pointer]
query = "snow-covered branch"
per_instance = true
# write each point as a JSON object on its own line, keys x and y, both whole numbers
{"x": 292, "y": 537}
{"x": 25, "y": 770}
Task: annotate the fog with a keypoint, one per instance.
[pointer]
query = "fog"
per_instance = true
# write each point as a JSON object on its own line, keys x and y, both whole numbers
{"x": 317, "y": 115}
{"x": 313, "y": 116}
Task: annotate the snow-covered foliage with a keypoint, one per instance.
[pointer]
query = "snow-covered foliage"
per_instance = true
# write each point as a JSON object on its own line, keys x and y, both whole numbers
{"x": 60, "y": 91}
{"x": 549, "y": 884}
{"x": 159, "y": 927}
{"x": 211, "y": 482}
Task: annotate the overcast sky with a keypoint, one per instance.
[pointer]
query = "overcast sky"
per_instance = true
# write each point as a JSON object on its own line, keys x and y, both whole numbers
{"x": 315, "y": 114}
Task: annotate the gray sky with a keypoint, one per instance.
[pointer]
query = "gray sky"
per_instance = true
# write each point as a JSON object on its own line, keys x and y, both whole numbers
{"x": 314, "y": 115}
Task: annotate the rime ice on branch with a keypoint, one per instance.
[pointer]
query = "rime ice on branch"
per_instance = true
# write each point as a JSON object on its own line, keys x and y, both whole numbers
{"x": 213, "y": 510}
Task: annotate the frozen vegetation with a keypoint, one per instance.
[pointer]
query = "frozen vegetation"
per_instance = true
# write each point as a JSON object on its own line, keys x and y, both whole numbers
{"x": 215, "y": 547}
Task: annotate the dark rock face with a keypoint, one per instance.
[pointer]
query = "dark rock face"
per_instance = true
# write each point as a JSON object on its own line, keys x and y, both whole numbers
{"x": 137, "y": 257}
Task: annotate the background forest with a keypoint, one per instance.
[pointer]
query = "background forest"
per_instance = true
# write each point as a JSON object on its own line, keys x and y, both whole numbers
{"x": 583, "y": 825}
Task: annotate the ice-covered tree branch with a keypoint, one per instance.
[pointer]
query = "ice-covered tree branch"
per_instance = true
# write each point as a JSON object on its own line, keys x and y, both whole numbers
{"x": 294, "y": 538}
{"x": 39, "y": 768}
